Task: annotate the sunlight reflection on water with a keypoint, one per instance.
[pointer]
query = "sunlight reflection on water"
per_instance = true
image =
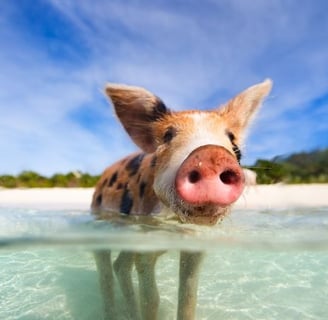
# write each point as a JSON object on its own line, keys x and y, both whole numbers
{"x": 259, "y": 264}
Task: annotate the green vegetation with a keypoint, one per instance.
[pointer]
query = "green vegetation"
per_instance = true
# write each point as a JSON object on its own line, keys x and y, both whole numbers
{"x": 31, "y": 179}
{"x": 304, "y": 167}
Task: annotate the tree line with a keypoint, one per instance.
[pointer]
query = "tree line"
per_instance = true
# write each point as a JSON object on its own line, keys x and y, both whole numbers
{"x": 31, "y": 179}
{"x": 303, "y": 167}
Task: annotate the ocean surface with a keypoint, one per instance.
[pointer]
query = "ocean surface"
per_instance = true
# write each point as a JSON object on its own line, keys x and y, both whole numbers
{"x": 258, "y": 264}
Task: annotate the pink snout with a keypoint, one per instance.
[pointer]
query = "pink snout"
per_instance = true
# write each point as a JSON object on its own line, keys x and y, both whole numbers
{"x": 210, "y": 175}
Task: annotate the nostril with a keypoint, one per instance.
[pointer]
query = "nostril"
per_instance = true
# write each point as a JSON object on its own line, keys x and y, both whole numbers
{"x": 194, "y": 176}
{"x": 229, "y": 177}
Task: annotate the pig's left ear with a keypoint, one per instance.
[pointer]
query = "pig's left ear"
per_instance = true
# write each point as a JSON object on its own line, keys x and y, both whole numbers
{"x": 137, "y": 109}
{"x": 240, "y": 110}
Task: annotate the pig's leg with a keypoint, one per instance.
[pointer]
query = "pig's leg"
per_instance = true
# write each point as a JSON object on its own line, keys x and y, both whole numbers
{"x": 123, "y": 269}
{"x": 106, "y": 282}
{"x": 149, "y": 296}
{"x": 188, "y": 284}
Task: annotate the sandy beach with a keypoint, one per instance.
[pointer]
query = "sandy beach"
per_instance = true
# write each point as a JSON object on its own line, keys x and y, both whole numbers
{"x": 254, "y": 197}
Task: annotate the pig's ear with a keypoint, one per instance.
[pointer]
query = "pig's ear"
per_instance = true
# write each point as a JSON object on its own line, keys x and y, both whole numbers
{"x": 137, "y": 109}
{"x": 240, "y": 110}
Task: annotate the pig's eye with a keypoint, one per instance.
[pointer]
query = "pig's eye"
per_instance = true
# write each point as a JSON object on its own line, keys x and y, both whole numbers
{"x": 169, "y": 134}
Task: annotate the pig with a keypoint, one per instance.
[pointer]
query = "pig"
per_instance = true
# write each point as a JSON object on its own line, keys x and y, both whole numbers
{"x": 189, "y": 165}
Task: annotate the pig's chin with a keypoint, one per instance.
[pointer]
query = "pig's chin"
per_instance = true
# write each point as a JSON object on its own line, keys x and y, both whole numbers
{"x": 208, "y": 215}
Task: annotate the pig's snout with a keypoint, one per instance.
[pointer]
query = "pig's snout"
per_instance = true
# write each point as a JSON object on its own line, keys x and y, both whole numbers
{"x": 210, "y": 175}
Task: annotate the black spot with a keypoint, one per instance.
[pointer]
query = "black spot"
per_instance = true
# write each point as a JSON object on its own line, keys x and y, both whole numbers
{"x": 231, "y": 136}
{"x": 235, "y": 148}
{"x": 126, "y": 202}
{"x": 142, "y": 188}
{"x": 134, "y": 164}
{"x": 113, "y": 179}
{"x": 99, "y": 200}
{"x": 119, "y": 186}
{"x": 159, "y": 110}
{"x": 170, "y": 133}
{"x": 153, "y": 162}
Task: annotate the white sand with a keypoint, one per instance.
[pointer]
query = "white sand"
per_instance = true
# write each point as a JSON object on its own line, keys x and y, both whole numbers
{"x": 43, "y": 198}
{"x": 284, "y": 196}
{"x": 254, "y": 197}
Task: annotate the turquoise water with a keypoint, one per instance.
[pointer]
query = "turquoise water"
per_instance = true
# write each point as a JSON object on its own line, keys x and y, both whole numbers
{"x": 258, "y": 265}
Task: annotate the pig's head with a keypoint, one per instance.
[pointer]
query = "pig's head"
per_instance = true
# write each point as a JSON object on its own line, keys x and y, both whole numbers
{"x": 197, "y": 173}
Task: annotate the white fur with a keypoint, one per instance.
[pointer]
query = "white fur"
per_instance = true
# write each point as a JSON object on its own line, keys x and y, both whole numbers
{"x": 201, "y": 136}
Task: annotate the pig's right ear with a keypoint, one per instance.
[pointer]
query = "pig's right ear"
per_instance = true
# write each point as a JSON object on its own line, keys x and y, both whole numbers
{"x": 137, "y": 110}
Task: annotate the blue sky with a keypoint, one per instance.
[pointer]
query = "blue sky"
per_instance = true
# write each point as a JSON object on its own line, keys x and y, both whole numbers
{"x": 57, "y": 55}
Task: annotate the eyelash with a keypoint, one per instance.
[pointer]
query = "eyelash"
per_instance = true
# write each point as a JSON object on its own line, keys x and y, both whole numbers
{"x": 235, "y": 148}
{"x": 237, "y": 151}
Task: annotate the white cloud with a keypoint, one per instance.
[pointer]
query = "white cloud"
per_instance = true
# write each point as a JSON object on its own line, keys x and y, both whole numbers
{"x": 186, "y": 55}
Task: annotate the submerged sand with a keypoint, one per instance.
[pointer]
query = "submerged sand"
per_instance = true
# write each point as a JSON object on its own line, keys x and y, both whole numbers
{"x": 254, "y": 197}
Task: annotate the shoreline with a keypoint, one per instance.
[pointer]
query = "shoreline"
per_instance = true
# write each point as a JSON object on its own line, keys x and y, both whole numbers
{"x": 47, "y": 198}
{"x": 277, "y": 196}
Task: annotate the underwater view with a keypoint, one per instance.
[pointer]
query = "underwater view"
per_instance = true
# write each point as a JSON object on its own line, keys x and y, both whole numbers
{"x": 270, "y": 264}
